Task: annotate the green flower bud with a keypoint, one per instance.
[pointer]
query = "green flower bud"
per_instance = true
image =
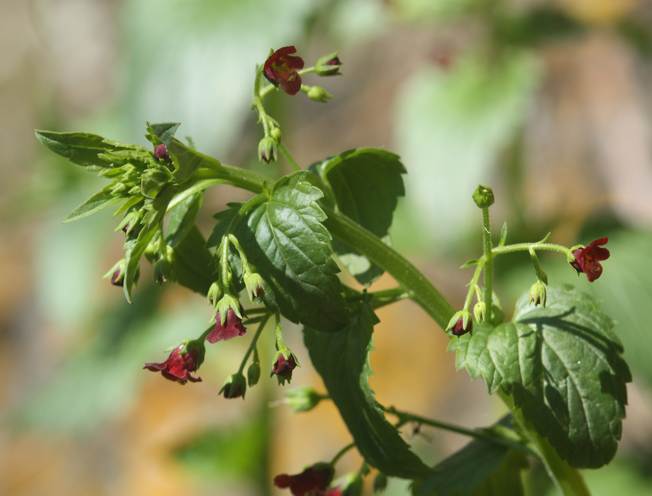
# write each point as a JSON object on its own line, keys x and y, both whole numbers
{"x": 254, "y": 284}
{"x": 328, "y": 65}
{"x": 275, "y": 133}
{"x": 460, "y": 323}
{"x": 480, "y": 311}
{"x": 162, "y": 270}
{"x": 483, "y": 196}
{"x": 253, "y": 373}
{"x": 319, "y": 94}
{"x": 214, "y": 293}
{"x": 538, "y": 294}
{"x": 234, "y": 387}
{"x": 302, "y": 399}
{"x": 226, "y": 303}
{"x": 267, "y": 150}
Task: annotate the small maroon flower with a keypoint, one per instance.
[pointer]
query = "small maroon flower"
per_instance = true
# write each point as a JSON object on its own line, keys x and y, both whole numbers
{"x": 314, "y": 480}
{"x": 588, "y": 258}
{"x": 283, "y": 367}
{"x": 161, "y": 152}
{"x": 230, "y": 328}
{"x": 281, "y": 67}
{"x": 183, "y": 360}
{"x": 459, "y": 330}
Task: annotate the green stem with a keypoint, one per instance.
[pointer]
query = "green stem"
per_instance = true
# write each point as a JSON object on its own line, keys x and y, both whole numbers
{"x": 473, "y": 284}
{"x": 483, "y": 434}
{"x": 501, "y": 250}
{"x": 342, "y": 452}
{"x": 252, "y": 345}
{"x": 489, "y": 264}
{"x": 288, "y": 156}
{"x": 568, "y": 479}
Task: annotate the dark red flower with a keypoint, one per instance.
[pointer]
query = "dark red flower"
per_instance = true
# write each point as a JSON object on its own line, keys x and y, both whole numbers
{"x": 588, "y": 258}
{"x": 184, "y": 359}
{"x": 314, "y": 480}
{"x": 281, "y": 67}
{"x": 161, "y": 152}
{"x": 459, "y": 330}
{"x": 231, "y": 327}
{"x": 283, "y": 367}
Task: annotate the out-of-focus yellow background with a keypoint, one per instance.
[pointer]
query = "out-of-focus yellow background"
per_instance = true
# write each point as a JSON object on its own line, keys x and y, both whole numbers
{"x": 548, "y": 101}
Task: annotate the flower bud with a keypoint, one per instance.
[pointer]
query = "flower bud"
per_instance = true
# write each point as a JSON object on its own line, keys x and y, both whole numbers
{"x": 302, "y": 399}
{"x": 214, "y": 293}
{"x": 234, "y": 387}
{"x": 460, "y": 323}
{"x": 116, "y": 274}
{"x": 161, "y": 152}
{"x": 538, "y": 294}
{"x": 253, "y": 373}
{"x": 267, "y": 150}
{"x": 162, "y": 270}
{"x": 319, "y": 94}
{"x": 328, "y": 65}
{"x": 275, "y": 133}
{"x": 483, "y": 196}
{"x": 480, "y": 311}
{"x": 254, "y": 284}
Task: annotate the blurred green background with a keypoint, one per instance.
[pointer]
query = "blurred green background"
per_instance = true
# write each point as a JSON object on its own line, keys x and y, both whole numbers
{"x": 546, "y": 100}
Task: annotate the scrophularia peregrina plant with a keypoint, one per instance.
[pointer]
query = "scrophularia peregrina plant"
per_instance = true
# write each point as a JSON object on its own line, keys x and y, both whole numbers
{"x": 557, "y": 364}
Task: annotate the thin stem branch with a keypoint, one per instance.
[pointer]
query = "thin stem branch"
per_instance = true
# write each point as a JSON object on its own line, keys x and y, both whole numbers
{"x": 488, "y": 265}
{"x": 483, "y": 434}
{"x": 342, "y": 452}
{"x": 253, "y": 343}
{"x": 502, "y": 250}
{"x": 288, "y": 156}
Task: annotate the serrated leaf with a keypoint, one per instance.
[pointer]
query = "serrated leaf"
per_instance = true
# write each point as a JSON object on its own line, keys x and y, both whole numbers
{"x": 181, "y": 219}
{"x": 81, "y": 148}
{"x": 95, "y": 203}
{"x": 563, "y": 367}
{"x": 480, "y": 468}
{"x": 341, "y": 358}
{"x": 292, "y": 250}
{"x": 161, "y": 132}
{"x": 366, "y": 184}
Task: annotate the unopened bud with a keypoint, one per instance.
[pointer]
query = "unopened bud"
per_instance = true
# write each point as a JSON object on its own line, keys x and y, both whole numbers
{"x": 538, "y": 294}
{"x": 267, "y": 150}
{"x": 253, "y": 373}
{"x": 460, "y": 323}
{"x": 328, "y": 65}
{"x": 319, "y": 94}
{"x": 483, "y": 196}
{"x": 480, "y": 311}
{"x": 254, "y": 284}
{"x": 302, "y": 399}
{"x": 234, "y": 387}
{"x": 214, "y": 293}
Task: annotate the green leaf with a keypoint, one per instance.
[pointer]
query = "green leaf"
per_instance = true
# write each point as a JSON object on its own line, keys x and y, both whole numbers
{"x": 162, "y": 132}
{"x": 81, "y": 148}
{"x": 134, "y": 250}
{"x": 479, "y": 468}
{"x": 292, "y": 250}
{"x": 563, "y": 367}
{"x": 341, "y": 358}
{"x": 95, "y": 203}
{"x": 366, "y": 184}
{"x": 181, "y": 219}
{"x": 186, "y": 160}
{"x": 192, "y": 263}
